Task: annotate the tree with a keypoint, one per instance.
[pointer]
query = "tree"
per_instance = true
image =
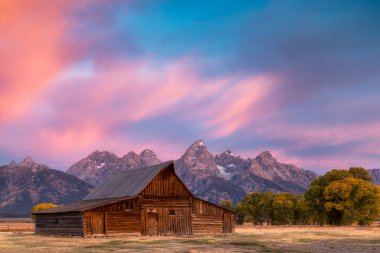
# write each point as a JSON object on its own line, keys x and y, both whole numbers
{"x": 360, "y": 173}
{"x": 257, "y": 207}
{"x": 351, "y": 200}
{"x": 239, "y": 213}
{"x": 226, "y": 204}
{"x": 301, "y": 213}
{"x": 42, "y": 206}
{"x": 342, "y": 197}
{"x": 283, "y": 210}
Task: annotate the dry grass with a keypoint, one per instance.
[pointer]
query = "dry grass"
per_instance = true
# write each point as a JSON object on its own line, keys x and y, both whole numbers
{"x": 246, "y": 239}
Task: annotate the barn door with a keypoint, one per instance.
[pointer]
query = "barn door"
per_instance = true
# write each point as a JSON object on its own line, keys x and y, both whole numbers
{"x": 97, "y": 223}
{"x": 227, "y": 223}
{"x": 152, "y": 224}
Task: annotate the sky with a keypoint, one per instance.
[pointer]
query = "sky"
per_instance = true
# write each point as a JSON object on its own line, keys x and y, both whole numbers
{"x": 297, "y": 78}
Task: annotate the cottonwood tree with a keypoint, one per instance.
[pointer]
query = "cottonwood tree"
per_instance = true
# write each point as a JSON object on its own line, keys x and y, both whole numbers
{"x": 343, "y": 197}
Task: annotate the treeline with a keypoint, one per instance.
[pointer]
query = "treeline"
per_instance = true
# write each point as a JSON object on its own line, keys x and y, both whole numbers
{"x": 340, "y": 197}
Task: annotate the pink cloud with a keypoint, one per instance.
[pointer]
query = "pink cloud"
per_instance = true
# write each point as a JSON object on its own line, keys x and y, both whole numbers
{"x": 31, "y": 51}
{"x": 82, "y": 111}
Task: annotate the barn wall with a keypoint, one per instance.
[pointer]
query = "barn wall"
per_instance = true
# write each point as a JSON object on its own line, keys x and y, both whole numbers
{"x": 206, "y": 224}
{"x": 228, "y": 223}
{"x": 166, "y": 183}
{"x": 208, "y": 218}
{"x": 166, "y": 224}
{"x": 123, "y": 222}
{"x": 116, "y": 218}
{"x": 203, "y": 207}
{"x": 60, "y": 223}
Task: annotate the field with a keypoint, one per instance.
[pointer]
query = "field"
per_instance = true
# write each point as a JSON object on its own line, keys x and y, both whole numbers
{"x": 246, "y": 239}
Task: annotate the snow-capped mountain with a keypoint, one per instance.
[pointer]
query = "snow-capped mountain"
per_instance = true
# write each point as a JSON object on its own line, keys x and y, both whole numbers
{"x": 224, "y": 176}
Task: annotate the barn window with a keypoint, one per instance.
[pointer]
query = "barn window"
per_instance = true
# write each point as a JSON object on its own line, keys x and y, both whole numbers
{"x": 128, "y": 205}
{"x": 171, "y": 212}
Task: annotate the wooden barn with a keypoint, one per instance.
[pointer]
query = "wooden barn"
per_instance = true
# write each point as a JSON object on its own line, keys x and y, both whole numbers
{"x": 149, "y": 201}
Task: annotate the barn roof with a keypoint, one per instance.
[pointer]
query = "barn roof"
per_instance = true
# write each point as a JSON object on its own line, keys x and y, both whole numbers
{"x": 127, "y": 183}
{"x": 116, "y": 187}
{"x": 82, "y": 205}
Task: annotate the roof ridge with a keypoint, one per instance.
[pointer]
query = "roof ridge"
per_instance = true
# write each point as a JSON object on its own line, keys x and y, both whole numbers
{"x": 143, "y": 168}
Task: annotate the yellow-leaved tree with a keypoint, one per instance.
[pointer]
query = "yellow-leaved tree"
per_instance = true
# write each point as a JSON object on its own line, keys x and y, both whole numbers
{"x": 42, "y": 206}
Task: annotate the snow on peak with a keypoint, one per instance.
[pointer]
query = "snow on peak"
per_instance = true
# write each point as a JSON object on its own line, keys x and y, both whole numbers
{"x": 101, "y": 165}
{"x": 223, "y": 172}
{"x": 229, "y": 152}
{"x": 198, "y": 143}
{"x": 201, "y": 142}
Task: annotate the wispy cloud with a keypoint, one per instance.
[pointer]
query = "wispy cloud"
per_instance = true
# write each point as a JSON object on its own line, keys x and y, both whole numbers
{"x": 298, "y": 79}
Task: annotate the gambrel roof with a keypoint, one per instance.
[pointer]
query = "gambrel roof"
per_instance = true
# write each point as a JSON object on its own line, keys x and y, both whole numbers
{"x": 128, "y": 183}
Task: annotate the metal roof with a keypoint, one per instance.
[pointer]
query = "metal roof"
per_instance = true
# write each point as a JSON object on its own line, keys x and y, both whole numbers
{"x": 82, "y": 205}
{"x": 127, "y": 183}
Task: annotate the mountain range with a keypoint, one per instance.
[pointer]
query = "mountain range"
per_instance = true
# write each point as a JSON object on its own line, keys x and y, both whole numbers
{"x": 27, "y": 183}
{"x": 212, "y": 177}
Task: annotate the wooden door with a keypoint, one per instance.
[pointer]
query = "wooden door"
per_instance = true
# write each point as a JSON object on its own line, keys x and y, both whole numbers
{"x": 152, "y": 224}
{"x": 227, "y": 223}
{"x": 97, "y": 222}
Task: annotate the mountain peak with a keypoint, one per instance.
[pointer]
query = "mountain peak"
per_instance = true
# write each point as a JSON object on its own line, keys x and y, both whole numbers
{"x": 13, "y": 164}
{"x": 130, "y": 154}
{"x": 198, "y": 143}
{"x": 147, "y": 152}
{"x": 148, "y": 157}
{"x": 230, "y": 153}
{"x": 266, "y": 155}
{"x": 101, "y": 155}
{"x": 28, "y": 161}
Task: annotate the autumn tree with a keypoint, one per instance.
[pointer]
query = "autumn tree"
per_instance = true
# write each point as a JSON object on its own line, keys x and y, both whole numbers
{"x": 342, "y": 197}
{"x": 42, "y": 206}
{"x": 282, "y": 206}
{"x": 257, "y": 207}
{"x": 351, "y": 200}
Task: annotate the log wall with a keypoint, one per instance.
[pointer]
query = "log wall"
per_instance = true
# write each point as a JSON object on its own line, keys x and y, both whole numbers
{"x": 123, "y": 222}
{"x": 177, "y": 224}
{"x": 203, "y": 207}
{"x": 206, "y": 224}
{"x": 166, "y": 183}
{"x": 117, "y": 218}
{"x": 208, "y": 218}
{"x": 59, "y": 224}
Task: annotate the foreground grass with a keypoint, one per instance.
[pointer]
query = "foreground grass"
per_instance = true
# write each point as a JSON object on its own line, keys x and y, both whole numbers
{"x": 246, "y": 239}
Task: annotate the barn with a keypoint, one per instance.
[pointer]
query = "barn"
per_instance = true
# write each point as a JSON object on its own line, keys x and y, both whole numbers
{"x": 148, "y": 201}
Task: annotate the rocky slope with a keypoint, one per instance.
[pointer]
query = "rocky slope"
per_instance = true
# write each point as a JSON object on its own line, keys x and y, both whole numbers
{"x": 95, "y": 167}
{"x": 27, "y": 183}
{"x": 200, "y": 172}
{"x": 375, "y": 174}
{"x": 228, "y": 176}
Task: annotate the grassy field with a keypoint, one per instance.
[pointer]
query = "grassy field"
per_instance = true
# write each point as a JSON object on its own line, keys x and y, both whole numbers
{"x": 246, "y": 239}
